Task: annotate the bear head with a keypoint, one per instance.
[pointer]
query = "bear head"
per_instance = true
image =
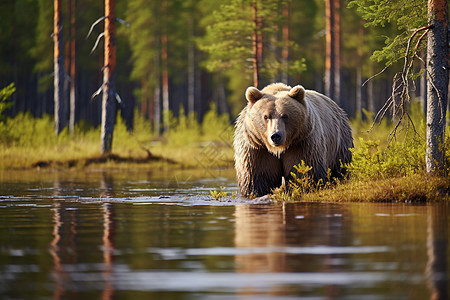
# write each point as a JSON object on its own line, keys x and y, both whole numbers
{"x": 277, "y": 116}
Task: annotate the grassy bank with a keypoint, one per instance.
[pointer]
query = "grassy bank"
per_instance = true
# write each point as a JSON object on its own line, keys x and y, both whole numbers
{"x": 385, "y": 167}
{"x": 378, "y": 172}
{"x": 27, "y": 142}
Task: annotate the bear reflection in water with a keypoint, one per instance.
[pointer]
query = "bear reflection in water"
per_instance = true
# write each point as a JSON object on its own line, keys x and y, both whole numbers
{"x": 283, "y": 238}
{"x": 282, "y": 126}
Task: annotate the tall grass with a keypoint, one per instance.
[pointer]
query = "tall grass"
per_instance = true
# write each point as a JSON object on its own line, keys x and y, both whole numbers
{"x": 26, "y": 140}
{"x": 388, "y": 164}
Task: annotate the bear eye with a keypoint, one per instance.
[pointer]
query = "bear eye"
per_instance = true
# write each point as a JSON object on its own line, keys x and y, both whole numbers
{"x": 284, "y": 117}
{"x": 266, "y": 117}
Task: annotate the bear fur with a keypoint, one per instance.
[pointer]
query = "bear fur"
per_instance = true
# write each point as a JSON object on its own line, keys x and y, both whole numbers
{"x": 282, "y": 126}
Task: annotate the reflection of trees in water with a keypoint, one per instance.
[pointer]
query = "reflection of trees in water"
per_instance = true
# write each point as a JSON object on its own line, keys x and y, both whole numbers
{"x": 437, "y": 240}
{"x": 63, "y": 247}
{"x": 54, "y": 250}
{"x": 106, "y": 185}
{"x": 108, "y": 248}
{"x": 261, "y": 229}
{"x": 264, "y": 228}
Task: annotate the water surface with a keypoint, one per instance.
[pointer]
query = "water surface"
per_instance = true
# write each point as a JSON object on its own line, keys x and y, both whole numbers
{"x": 159, "y": 235}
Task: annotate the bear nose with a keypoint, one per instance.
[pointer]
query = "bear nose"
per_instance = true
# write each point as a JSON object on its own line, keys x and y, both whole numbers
{"x": 276, "y": 138}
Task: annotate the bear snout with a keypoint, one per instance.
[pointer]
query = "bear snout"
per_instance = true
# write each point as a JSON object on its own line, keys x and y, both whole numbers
{"x": 277, "y": 138}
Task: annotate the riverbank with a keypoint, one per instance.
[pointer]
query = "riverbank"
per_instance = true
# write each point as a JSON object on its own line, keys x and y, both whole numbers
{"x": 378, "y": 172}
{"x": 28, "y": 143}
{"x": 416, "y": 188}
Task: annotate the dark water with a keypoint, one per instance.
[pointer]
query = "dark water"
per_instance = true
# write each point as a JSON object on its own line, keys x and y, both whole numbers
{"x": 158, "y": 235}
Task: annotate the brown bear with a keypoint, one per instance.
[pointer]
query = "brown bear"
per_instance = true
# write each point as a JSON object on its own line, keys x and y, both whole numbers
{"x": 282, "y": 126}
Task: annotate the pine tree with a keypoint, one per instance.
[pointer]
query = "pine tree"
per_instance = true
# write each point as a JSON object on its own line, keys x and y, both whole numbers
{"x": 159, "y": 41}
{"x": 245, "y": 44}
{"x": 438, "y": 78}
{"x": 333, "y": 49}
{"x": 72, "y": 67}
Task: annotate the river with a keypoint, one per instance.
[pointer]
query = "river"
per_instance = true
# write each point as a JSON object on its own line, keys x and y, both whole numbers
{"x": 159, "y": 235}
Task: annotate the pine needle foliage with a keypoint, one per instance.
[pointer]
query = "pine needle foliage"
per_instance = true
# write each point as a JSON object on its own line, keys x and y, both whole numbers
{"x": 403, "y": 16}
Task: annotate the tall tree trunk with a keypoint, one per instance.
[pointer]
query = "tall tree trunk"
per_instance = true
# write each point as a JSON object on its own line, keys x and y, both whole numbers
{"x": 165, "y": 72}
{"x": 285, "y": 49}
{"x": 157, "y": 109}
{"x": 165, "y": 82}
{"x": 72, "y": 70}
{"x": 370, "y": 98}
{"x": 109, "y": 94}
{"x": 191, "y": 68}
{"x": 333, "y": 49}
{"x": 358, "y": 102}
{"x": 437, "y": 88}
{"x": 157, "y": 95}
{"x": 337, "y": 51}
{"x": 58, "y": 61}
{"x": 257, "y": 45}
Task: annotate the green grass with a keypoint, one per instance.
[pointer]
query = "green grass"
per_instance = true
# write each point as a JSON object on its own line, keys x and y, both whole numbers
{"x": 412, "y": 188}
{"x": 384, "y": 167}
{"x": 27, "y": 142}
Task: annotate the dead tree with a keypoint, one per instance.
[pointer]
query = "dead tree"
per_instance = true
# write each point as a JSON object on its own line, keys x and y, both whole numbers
{"x": 108, "y": 88}
{"x": 58, "y": 64}
{"x": 109, "y": 78}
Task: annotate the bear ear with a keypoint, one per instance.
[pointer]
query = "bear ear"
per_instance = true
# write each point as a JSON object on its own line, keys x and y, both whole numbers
{"x": 298, "y": 93}
{"x": 253, "y": 94}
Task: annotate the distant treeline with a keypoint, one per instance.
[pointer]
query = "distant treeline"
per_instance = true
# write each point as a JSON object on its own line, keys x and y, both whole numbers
{"x": 187, "y": 53}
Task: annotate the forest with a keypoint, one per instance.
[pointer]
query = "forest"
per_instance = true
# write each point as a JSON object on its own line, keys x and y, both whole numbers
{"x": 183, "y": 66}
{"x": 189, "y": 54}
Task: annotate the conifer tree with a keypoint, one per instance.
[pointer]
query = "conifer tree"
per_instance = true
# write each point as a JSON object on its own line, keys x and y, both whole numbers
{"x": 333, "y": 49}
{"x": 244, "y": 43}
{"x": 438, "y": 77}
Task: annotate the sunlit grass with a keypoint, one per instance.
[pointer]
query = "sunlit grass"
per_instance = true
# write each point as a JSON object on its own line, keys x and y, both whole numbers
{"x": 27, "y": 142}
{"x": 384, "y": 167}
{"x": 412, "y": 188}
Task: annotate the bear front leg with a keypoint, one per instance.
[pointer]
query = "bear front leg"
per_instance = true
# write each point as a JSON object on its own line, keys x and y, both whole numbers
{"x": 258, "y": 172}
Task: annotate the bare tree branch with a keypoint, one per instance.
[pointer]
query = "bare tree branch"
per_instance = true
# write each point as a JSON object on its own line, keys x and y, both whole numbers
{"x": 122, "y": 22}
{"x": 97, "y": 92}
{"x": 95, "y": 24}
{"x": 400, "y": 86}
{"x": 97, "y": 41}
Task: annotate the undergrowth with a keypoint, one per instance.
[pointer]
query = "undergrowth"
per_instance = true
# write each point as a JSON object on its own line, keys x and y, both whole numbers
{"x": 26, "y": 141}
{"x": 390, "y": 169}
